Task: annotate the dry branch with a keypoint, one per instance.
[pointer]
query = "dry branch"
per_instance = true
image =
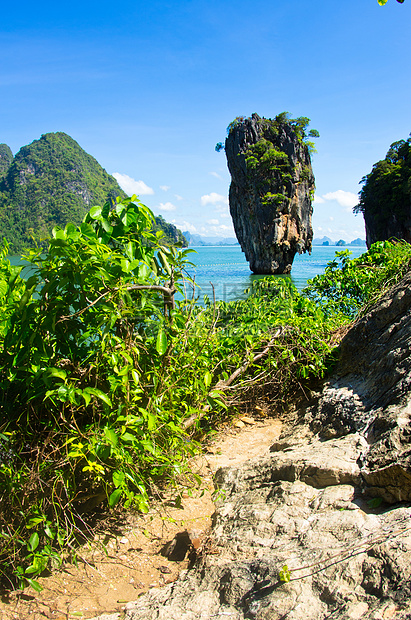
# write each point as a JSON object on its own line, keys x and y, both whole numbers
{"x": 224, "y": 384}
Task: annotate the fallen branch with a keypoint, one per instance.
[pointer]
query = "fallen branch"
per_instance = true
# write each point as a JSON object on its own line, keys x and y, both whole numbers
{"x": 223, "y": 385}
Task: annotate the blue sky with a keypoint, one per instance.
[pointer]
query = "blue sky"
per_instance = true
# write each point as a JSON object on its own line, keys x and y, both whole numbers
{"x": 149, "y": 89}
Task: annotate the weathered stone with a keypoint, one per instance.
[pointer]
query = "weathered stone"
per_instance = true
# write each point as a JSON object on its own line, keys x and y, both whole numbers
{"x": 270, "y": 192}
{"x": 306, "y": 512}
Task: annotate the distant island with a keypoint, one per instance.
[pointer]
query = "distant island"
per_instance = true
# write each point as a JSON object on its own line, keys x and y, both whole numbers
{"x": 327, "y": 241}
{"x": 197, "y": 240}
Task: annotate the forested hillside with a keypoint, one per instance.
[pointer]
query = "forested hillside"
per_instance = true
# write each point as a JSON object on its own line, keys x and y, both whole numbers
{"x": 50, "y": 182}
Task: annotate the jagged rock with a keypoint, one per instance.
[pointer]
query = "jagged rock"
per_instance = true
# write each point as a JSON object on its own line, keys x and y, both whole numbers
{"x": 325, "y": 508}
{"x": 371, "y": 394}
{"x": 270, "y": 192}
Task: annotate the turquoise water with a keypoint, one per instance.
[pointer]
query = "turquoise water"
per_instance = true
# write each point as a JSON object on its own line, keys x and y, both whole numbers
{"x": 225, "y": 268}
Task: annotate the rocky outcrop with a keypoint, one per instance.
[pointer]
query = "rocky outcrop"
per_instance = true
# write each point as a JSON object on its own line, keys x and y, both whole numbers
{"x": 320, "y": 527}
{"x": 6, "y": 158}
{"x": 385, "y": 199}
{"x": 270, "y": 192}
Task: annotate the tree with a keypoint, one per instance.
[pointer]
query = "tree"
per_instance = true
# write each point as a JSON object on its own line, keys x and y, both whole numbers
{"x": 385, "y": 199}
{"x": 382, "y": 2}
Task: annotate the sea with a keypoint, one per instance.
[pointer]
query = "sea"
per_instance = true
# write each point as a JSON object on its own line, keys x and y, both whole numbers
{"x": 223, "y": 272}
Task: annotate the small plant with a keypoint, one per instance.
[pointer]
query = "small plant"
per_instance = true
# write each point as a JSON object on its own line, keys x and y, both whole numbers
{"x": 284, "y": 574}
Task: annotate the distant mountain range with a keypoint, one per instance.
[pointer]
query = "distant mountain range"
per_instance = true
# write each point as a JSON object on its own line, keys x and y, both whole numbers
{"x": 50, "y": 182}
{"x": 201, "y": 240}
{"x": 341, "y": 242}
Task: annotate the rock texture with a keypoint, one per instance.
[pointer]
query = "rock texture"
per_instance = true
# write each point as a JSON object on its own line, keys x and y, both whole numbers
{"x": 319, "y": 528}
{"x": 270, "y": 192}
{"x": 6, "y": 158}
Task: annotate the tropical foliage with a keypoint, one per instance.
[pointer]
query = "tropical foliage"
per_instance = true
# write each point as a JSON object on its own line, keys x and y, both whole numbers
{"x": 107, "y": 380}
{"x": 385, "y": 197}
{"x": 51, "y": 182}
{"x": 270, "y": 168}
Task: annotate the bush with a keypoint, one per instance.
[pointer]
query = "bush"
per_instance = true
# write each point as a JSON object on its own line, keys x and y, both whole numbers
{"x": 105, "y": 377}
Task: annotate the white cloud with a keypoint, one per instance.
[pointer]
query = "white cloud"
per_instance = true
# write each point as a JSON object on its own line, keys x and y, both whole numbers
{"x": 345, "y": 199}
{"x": 165, "y": 188}
{"x": 216, "y": 175}
{"x": 165, "y": 206}
{"x": 213, "y": 222}
{"x": 221, "y": 231}
{"x": 318, "y": 200}
{"x": 185, "y": 226}
{"x": 131, "y": 186}
{"x": 213, "y": 199}
{"x": 178, "y": 197}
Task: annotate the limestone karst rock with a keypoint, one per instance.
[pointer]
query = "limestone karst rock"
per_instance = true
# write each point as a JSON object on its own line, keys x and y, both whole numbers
{"x": 271, "y": 190}
{"x": 328, "y": 508}
{"x": 385, "y": 199}
{"x": 50, "y": 182}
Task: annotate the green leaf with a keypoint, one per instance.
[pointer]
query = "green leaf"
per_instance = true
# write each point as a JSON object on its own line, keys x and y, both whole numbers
{"x": 98, "y": 394}
{"x": 128, "y": 438}
{"x": 34, "y": 521}
{"x": 3, "y": 287}
{"x": 95, "y": 212}
{"x": 161, "y": 343}
{"x": 57, "y": 372}
{"x": 107, "y": 226}
{"x": 115, "y": 497}
{"x": 111, "y": 437}
{"x": 33, "y": 542}
{"x": 207, "y": 379}
{"x": 164, "y": 262}
{"x": 34, "y": 584}
{"x": 118, "y": 478}
{"x": 285, "y": 574}
{"x": 58, "y": 233}
{"x": 382, "y": 2}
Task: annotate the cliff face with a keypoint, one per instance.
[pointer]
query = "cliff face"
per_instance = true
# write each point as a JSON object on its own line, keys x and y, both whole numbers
{"x": 270, "y": 192}
{"x": 385, "y": 199}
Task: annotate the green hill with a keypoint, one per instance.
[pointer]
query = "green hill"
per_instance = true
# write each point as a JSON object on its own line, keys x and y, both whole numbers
{"x": 6, "y": 159}
{"x": 50, "y": 182}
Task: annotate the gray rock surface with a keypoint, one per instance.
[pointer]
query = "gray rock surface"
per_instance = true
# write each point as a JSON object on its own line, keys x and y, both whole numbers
{"x": 327, "y": 508}
{"x": 270, "y": 201}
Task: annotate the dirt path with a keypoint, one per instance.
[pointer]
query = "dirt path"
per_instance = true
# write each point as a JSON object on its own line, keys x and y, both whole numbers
{"x": 131, "y": 563}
